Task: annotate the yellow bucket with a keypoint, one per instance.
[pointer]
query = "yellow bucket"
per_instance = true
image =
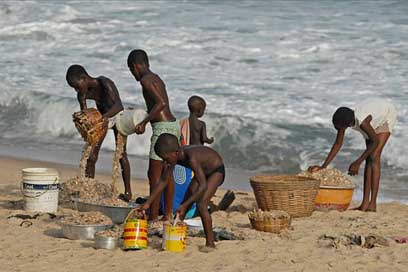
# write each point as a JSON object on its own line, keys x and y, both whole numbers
{"x": 135, "y": 234}
{"x": 174, "y": 237}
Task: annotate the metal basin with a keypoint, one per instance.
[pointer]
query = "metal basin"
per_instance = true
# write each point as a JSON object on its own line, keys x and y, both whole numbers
{"x": 103, "y": 242}
{"x": 82, "y": 232}
{"x": 117, "y": 214}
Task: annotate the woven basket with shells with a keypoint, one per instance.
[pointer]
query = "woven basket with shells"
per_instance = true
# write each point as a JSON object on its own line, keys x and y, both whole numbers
{"x": 90, "y": 125}
{"x": 269, "y": 221}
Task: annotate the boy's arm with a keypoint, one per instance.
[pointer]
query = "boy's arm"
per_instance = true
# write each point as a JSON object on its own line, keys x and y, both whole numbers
{"x": 112, "y": 93}
{"x": 81, "y": 99}
{"x": 333, "y": 151}
{"x": 159, "y": 104}
{"x": 204, "y": 137}
{"x": 369, "y": 130}
{"x": 164, "y": 180}
{"x": 202, "y": 185}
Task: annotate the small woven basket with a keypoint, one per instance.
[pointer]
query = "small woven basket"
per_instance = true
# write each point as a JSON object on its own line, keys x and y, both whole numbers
{"x": 293, "y": 194}
{"x": 273, "y": 225}
{"x": 90, "y": 125}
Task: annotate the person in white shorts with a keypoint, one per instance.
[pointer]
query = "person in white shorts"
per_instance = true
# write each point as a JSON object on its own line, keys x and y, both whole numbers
{"x": 374, "y": 119}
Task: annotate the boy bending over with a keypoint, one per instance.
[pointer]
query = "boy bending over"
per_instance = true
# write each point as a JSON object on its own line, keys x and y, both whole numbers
{"x": 103, "y": 91}
{"x": 209, "y": 172}
{"x": 374, "y": 119}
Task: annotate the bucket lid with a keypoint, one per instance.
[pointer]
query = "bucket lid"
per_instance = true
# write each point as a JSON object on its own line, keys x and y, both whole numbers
{"x": 40, "y": 171}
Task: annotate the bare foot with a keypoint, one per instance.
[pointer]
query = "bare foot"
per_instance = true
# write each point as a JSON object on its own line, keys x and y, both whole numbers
{"x": 363, "y": 207}
{"x": 371, "y": 208}
{"x": 125, "y": 197}
{"x": 206, "y": 249}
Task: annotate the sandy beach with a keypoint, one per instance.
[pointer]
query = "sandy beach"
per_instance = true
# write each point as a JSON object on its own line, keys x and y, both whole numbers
{"x": 41, "y": 246}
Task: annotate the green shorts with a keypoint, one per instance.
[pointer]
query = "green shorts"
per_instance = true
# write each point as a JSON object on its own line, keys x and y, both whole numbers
{"x": 158, "y": 129}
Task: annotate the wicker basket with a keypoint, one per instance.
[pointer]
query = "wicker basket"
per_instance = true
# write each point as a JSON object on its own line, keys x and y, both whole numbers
{"x": 90, "y": 124}
{"x": 293, "y": 194}
{"x": 275, "y": 225}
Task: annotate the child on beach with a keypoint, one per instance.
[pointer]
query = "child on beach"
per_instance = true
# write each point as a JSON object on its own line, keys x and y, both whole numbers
{"x": 374, "y": 119}
{"x": 193, "y": 130}
{"x": 103, "y": 91}
{"x": 209, "y": 171}
{"x": 162, "y": 121}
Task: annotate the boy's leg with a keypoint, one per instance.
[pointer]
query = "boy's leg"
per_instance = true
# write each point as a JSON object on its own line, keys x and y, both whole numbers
{"x": 367, "y": 182}
{"x": 125, "y": 166}
{"x": 376, "y": 170}
{"x": 154, "y": 174}
{"x": 213, "y": 182}
{"x": 93, "y": 158}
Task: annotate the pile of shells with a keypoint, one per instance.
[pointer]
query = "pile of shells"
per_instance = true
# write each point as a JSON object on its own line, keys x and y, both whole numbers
{"x": 259, "y": 215}
{"x": 329, "y": 177}
{"x": 114, "y": 233}
{"x": 89, "y": 191}
{"x": 87, "y": 218}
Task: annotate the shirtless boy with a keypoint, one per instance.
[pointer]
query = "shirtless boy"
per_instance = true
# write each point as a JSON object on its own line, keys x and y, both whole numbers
{"x": 209, "y": 171}
{"x": 374, "y": 118}
{"x": 198, "y": 130}
{"x": 103, "y": 91}
{"x": 162, "y": 121}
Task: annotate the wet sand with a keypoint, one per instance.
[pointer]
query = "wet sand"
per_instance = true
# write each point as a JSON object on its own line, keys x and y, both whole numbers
{"x": 41, "y": 246}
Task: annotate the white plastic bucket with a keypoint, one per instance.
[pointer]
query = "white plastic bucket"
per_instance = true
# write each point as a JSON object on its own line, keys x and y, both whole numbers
{"x": 40, "y": 189}
{"x": 128, "y": 119}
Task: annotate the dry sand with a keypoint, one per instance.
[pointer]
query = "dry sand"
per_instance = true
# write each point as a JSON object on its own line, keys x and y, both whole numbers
{"x": 41, "y": 246}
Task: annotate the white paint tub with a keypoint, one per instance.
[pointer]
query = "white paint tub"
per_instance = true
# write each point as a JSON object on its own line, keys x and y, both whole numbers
{"x": 40, "y": 188}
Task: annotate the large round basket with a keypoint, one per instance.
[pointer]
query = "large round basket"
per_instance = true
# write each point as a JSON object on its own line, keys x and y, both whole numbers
{"x": 293, "y": 194}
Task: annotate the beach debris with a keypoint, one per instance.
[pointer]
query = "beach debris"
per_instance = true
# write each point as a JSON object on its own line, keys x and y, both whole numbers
{"x": 226, "y": 201}
{"x": 35, "y": 216}
{"x": 87, "y": 218}
{"x": 401, "y": 240}
{"x": 219, "y": 234}
{"x": 349, "y": 240}
{"x": 26, "y": 224}
{"x": 329, "y": 177}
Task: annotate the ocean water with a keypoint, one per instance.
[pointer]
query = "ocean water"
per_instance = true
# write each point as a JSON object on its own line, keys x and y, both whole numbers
{"x": 272, "y": 74}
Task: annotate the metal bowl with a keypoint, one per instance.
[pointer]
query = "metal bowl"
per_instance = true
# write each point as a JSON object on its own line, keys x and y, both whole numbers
{"x": 82, "y": 232}
{"x": 103, "y": 242}
{"x": 117, "y": 214}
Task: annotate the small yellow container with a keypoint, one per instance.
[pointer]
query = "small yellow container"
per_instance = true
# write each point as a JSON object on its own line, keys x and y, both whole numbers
{"x": 333, "y": 198}
{"x": 174, "y": 237}
{"x": 135, "y": 234}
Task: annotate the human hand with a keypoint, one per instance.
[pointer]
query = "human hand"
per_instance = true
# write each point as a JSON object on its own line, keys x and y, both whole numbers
{"x": 145, "y": 206}
{"x": 314, "y": 168}
{"x": 353, "y": 169}
{"x": 140, "y": 128}
{"x": 181, "y": 212}
{"x": 105, "y": 121}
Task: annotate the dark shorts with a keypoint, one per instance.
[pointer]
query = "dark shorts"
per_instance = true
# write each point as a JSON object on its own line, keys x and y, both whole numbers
{"x": 220, "y": 169}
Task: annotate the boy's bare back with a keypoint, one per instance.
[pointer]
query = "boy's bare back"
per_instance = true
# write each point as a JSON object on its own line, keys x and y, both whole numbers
{"x": 154, "y": 92}
{"x": 202, "y": 157}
